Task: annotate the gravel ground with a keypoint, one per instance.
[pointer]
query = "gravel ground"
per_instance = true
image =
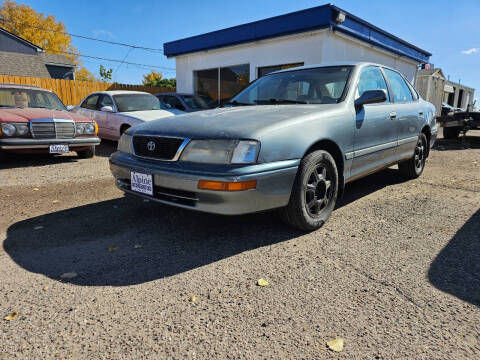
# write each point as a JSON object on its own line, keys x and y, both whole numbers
{"x": 395, "y": 272}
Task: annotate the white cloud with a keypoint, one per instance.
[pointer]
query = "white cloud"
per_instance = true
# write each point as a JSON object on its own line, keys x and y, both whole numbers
{"x": 105, "y": 33}
{"x": 471, "y": 51}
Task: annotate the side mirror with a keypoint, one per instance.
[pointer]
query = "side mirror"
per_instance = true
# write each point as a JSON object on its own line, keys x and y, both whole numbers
{"x": 371, "y": 97}
{"x": 106, "y": 108}
{"x": 70, "y": 107}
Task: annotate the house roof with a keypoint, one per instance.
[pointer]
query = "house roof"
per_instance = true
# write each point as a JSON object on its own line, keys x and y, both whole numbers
{"x": 430, "y": 72}
{"x": 320, "y": 17}
{"x": 22, "y": 65}
{"x": 56, "y": 59}
{"x": 22, "y": 40}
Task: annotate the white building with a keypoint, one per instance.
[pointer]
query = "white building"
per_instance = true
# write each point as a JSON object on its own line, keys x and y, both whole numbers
{"x": 222, "y": 62}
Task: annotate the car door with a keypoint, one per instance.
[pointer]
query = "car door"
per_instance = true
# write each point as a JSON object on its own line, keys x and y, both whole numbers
{"x": 408, "y": 113}
{"x": 107, "y": 118}
{"x": 375, "y": 135}
{"x": 88, "y": 105}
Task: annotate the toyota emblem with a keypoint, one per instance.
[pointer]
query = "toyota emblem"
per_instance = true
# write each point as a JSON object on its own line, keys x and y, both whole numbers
{"x": 151, "y": 145}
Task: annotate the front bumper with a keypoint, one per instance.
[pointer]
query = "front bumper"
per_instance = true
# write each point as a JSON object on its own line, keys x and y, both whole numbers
{"x": 177, "y": 184}
{"x": 19, "y": 144}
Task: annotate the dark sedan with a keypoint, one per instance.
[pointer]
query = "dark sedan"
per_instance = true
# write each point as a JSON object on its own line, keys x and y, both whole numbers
{"x": 187, "y": 102}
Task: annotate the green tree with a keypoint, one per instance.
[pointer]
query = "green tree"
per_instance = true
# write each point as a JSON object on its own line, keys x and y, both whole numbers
{"x": 155, "y": 79}
{"x": 105, "y": 75}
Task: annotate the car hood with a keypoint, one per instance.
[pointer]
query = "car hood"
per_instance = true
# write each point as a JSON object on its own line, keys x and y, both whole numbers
{"x": 242, "y": 122}
{"x": 26, "y": 114}
{"x": 148, "y": 115}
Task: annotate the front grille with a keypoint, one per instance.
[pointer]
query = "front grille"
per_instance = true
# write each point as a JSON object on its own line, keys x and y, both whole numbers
{"x": 65, "y": 130}
{"x": 52, "y": 129}
{"x": 162, "y": 148}
{"x": 43, "y": 130}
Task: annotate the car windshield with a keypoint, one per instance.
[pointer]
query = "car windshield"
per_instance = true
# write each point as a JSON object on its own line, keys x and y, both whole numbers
{"x": 136, "y": 102}
{"x": 322, "y": 85}
{"x": 29, "y": 98}
{"x": 199, "y": 102}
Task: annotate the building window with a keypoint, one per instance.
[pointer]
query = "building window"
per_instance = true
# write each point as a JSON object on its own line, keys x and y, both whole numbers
{"x": 262, "y": 71}
{"x": 206, "y": 83}
{"x": 221, "y": 83}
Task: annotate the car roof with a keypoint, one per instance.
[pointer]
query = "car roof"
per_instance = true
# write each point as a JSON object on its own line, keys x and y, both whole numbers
{"x": 329, "y": 64}
{"x": 173, "y": 93}
{"x": 19, "y": 86}
{"x": 119, "y": 92}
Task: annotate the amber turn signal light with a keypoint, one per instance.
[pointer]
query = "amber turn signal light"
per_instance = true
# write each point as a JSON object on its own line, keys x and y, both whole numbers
{"x": 227, "y": 186}
{"x": 96, "y": 127}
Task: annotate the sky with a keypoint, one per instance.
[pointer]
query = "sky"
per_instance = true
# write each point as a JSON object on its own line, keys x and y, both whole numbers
{"x": 448, "y": 29}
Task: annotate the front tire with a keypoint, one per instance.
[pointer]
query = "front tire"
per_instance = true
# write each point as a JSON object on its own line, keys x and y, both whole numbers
{"x": 86, "y": 154}
{"x": 413, "y": 167}
{"x": 314, "y": 192}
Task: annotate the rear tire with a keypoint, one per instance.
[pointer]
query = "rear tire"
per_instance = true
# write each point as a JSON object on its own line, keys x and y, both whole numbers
{"x": 451, "y": 132}
{"x": 413, "y": 167}
{"x": 314, "y": 192}
{"x": 86, "y": 154}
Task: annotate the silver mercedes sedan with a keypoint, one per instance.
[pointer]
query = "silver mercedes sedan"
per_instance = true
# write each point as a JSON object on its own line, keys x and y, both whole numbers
{"x": 289, "y": 141}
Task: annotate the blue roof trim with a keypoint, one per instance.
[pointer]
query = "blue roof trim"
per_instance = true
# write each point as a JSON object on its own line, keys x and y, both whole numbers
{"x": 316, "y": 18}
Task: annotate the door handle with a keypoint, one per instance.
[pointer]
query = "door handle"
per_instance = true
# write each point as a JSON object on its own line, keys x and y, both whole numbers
{"x": 393, "y": 115}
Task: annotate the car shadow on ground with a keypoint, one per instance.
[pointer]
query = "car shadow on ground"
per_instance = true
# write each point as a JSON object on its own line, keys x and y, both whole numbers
{"x": 106, "y": 148}
{"x": 128, "y": 241}
{"x": 456, "y": 269}
{"x": 13, "y": 161}
{"x": 469, "y": 142}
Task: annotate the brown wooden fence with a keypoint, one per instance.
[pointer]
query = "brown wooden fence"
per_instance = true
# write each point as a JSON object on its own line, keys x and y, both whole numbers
{"x": 71, "y": 92}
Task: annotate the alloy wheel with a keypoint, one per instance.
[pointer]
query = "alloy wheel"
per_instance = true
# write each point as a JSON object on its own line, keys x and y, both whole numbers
{"x": 318, "y": 190}
{"x": 419, "y": 154}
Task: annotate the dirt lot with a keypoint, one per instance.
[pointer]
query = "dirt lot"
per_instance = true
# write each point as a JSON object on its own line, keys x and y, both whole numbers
{"x": 395, "y": 272}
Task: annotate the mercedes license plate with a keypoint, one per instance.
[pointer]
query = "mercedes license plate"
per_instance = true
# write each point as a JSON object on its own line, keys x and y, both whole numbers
{"x": 58, "y": 149}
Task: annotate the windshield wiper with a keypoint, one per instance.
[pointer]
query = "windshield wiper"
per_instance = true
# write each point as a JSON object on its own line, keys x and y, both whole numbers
{"x": 236, "y": 103}
{"x": 279, "y": 101}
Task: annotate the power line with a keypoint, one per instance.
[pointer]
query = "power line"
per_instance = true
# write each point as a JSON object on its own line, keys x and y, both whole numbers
{"x": 112, "y": 60}
{"x": 84, "y": 37}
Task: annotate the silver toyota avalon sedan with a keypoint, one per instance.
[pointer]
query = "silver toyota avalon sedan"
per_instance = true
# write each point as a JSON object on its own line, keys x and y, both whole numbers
{"x": 289, "y": 141}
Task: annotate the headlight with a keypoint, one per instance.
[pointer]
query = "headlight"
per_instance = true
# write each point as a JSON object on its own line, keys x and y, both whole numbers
{"x": 89, "y": 128}
{"x": 85, "y": 128}
{"x": 125, "y": 143}
{"x": 79, "y": 127}
{"x": 22, "y": 129}
{"x": 8, "y": 129}
{"x": 222, "y": 151}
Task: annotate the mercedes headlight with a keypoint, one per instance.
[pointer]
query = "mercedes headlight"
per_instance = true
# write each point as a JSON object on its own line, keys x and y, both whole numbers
{"x": 8, "y": 129}
{"x": 22, "y": 129}
{"x": 85, "y": 128}
{"x": 222, "y": 151}
{"x": 125, "y": 143}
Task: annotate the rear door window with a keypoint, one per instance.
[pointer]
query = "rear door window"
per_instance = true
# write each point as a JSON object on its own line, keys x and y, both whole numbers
{"x": 400, "y": 90}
